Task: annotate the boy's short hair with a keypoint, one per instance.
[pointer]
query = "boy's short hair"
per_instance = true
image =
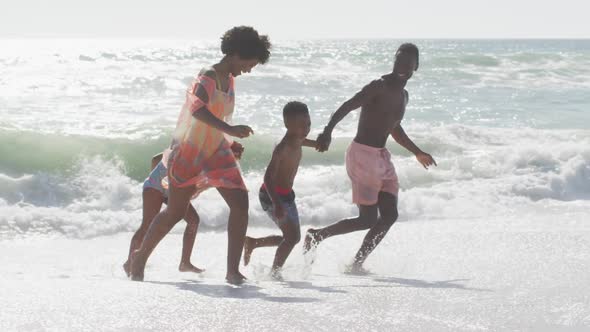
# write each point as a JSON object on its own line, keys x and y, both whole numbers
{"x": 294, "y": 108}
{"x": 247, "y": 43}
{"x": 409, "y": 49}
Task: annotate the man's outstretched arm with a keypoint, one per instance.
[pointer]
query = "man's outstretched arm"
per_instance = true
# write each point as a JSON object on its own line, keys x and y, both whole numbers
{"x": 400, "y": 136}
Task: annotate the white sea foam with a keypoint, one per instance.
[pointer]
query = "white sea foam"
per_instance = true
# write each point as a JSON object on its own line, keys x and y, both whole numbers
{"x": 481, "y": 173}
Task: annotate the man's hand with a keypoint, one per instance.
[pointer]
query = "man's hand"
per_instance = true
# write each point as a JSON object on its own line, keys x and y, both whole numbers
{"x": 278, "y": 211}
{"x": 425, "y": 159}
{"x": 237, "y": 149}
{"x": 323, "y": 141}
{"x": 240, "y": 131}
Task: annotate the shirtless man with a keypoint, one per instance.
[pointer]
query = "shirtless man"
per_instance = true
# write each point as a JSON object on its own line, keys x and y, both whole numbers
{"x": 276, "y": 194}
{"x": 368, "y": 163}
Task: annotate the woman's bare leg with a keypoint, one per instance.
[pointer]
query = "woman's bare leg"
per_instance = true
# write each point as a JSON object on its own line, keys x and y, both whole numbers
{"x": 237, "y": 200}
{"x": 152, "y": 203}
{"x": 178, "y": 201}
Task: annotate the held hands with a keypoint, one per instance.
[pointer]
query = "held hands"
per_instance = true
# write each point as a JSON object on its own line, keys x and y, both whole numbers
{"x": 323, "y": 141}
{"x": 237, "y": 149}
{"x": 425, "y": 159}
{"x": 240, "y": 131}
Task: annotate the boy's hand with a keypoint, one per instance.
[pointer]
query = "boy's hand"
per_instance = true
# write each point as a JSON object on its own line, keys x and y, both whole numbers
{"x": 240, "y": 131}
{"x": 278, "y": 211}
{"x": 237, "y": 149}
{"x": 425, "y": 159}
{"x": 323, "y": 142}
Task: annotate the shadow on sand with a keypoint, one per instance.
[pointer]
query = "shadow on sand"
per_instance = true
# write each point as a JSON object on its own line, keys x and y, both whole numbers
{"x": 417, "y": 283}
{"x": 309, "y": 285}
{"x": 245, "y": 291}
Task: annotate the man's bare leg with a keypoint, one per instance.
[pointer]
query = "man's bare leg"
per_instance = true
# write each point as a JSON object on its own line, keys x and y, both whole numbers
{"x": 366, "y": 219}
{"x": 237, "y": 200}
{"x": 152, "y": 203}
{"x": 251, "y": 243}
{"x": 178, "y": 201}
{"x": 388, "y": 211}
{"x": 188, "y": 240}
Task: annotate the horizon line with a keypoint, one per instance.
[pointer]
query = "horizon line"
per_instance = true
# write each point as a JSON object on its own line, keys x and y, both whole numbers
{"x": 32, "y": 37}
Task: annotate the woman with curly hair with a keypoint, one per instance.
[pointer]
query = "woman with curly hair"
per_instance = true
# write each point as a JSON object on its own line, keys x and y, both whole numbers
{"x": 201, "y": 155}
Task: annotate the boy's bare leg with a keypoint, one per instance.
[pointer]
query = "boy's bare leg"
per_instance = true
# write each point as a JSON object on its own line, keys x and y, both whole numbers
{"x": 188, "y": 241}
{"x": 152, "y": 203}
{"x": 388, "y": 211}
{"x": 366, "y": 219}
{"x": 251, "y": 243}
{"x": 178, "y": 201}
{"x": 237, "y": 200}
{"x": 291, "y": 236}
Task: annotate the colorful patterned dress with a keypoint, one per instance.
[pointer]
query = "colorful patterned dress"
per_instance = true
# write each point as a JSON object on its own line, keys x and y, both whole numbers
{"x": 201, "y": 155}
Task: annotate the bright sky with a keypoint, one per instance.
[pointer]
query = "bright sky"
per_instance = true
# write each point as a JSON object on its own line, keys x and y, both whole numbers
{"x": 299, "y": 19}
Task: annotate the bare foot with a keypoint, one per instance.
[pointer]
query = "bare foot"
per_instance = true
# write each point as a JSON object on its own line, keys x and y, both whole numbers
{"x": 188, "y": 267}
{"x": 248, "y": 242}
{"x": 235, "y": 278}
{"x": 126, "y": 268}
{"x": 137, "y": 267}
{"x": 357, "y": 269}
{"x": 311, "y": 240}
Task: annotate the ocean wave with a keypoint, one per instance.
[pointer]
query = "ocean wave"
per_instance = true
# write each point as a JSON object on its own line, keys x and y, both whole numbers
{"x": 81, "y": 119}
{"x": 481, "y": 172}
{"x": 115, "y": 89}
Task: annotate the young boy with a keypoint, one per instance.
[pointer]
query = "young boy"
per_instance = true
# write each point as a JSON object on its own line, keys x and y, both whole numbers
{"x": 368, "y": 163}
{"x": 276, "y": 194}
